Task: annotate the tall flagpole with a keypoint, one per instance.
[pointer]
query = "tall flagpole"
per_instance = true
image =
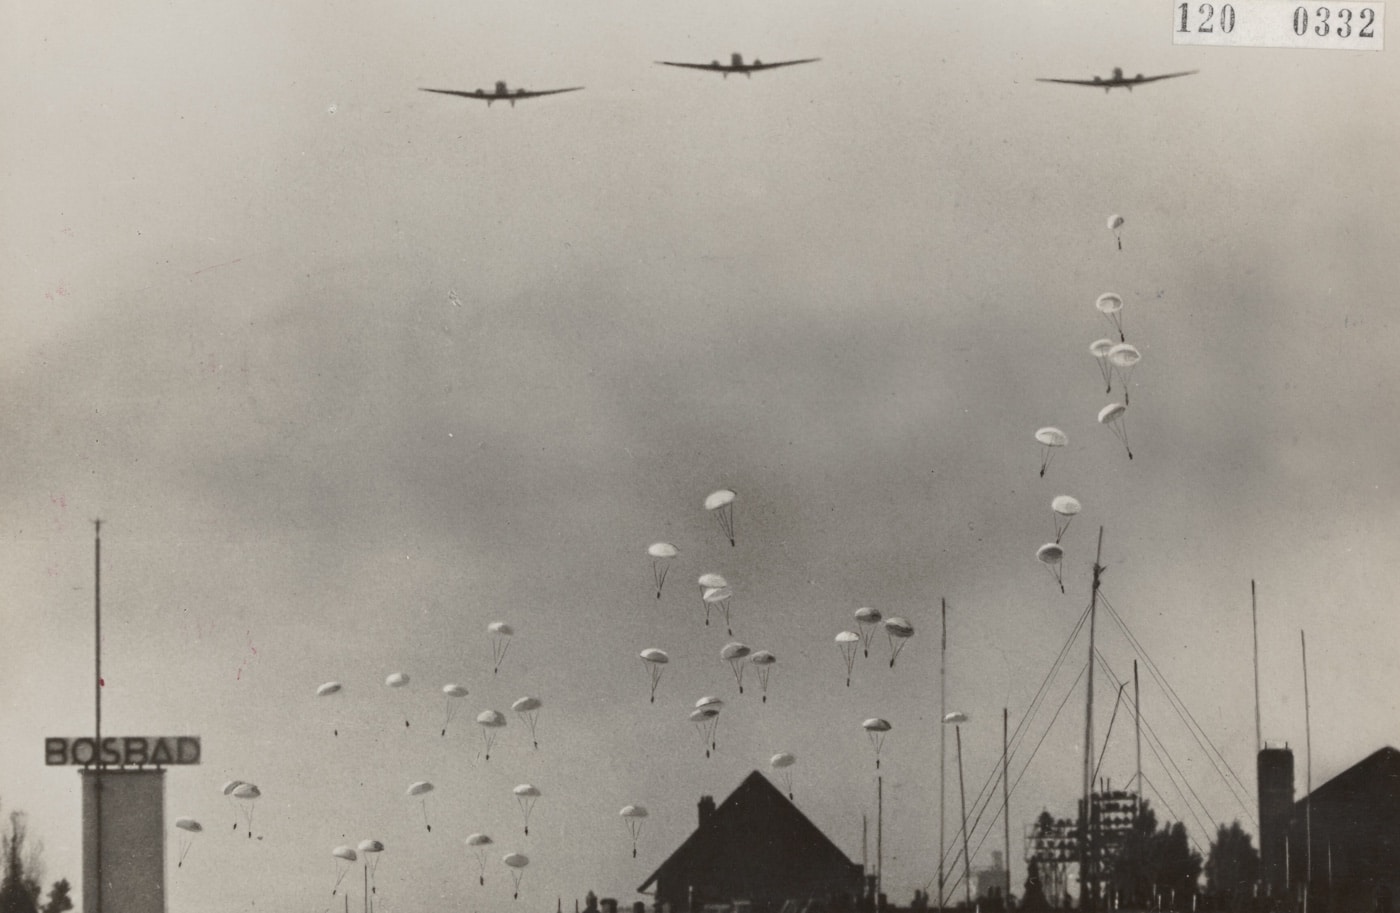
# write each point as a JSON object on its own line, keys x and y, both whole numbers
{"x": 1088, "y": 886}
{"x": 97, "y": 696}
{"x": 942, "y": 741}
{"x": 1307, "y": 726}
{"x": 1005, "y": 806}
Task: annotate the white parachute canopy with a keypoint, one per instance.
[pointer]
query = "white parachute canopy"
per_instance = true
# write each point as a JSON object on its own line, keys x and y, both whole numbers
{"x": 718, "y": 597}
{"x": 1065, "y": 508}
{"x": 517, "y": 863}
{"x": 1050, "y": 554}
{"x": 344, "y": 857}
{"x": 899, "y": 630}
{"x": 876, "y": 728}
{"x": 782, "y": 764}
{"x": 1115, "y": 223}
{"x": 1124, "y": 357}
{"x": 634, "y": 816}
{"x": 1099, "y": 348}
{"x": 501, "y": 633}
{"x": 245, "y": 794}
{"x": 735, "y": 654}
{"x": 706, "y": 720}
{"x": 369, "y": 852}
{"x": 526, "y": 795}
{"x": 419, "y": 791}
{"x": 654, "y": 661}
{"x": 955, "y": 716}
{"x": 867, "y": 619}
{"x": 847, "y": 642}
{"x": 489, "y": 721}
{"x": 1050, "y": 440}
{"x": 763, "y": 662}
{"x": 479, "y": 843}
{"x": 227, "y": 790}
{"x": 528, "y": 709}
{"x": 661, "y": 554}
{"x": 188, "y": 827}
{"x": 1110, "y": 306}
{"x": 451, "y": 693}
{"x": 721, "y": 504}
{"x": 328, "y": 689}
{"x": 1112, "y": 417}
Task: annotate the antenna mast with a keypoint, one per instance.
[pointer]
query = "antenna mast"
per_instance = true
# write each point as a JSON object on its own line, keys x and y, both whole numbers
{"x": 1258, "y": 728}
{"x": 1088, "y": 886}
{"x": 942, "y": 742}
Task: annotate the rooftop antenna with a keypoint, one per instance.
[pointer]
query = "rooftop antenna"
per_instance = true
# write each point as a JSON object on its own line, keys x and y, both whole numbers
{"x": 1253, "y": 611}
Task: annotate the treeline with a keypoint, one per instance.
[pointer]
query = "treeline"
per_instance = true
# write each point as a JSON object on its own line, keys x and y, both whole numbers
{"x": 22, "y": 886}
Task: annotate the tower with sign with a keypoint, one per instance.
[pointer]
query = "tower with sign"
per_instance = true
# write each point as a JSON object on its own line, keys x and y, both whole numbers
{"x": 123, "y": 781}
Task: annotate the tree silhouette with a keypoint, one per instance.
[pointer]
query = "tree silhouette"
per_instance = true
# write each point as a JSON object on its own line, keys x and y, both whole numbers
{"x": 20, "y": 886}
{"x": 1232, "y": 866}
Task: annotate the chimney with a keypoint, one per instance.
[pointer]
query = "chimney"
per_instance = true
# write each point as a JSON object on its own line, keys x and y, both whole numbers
{"x": 707, "y": 809}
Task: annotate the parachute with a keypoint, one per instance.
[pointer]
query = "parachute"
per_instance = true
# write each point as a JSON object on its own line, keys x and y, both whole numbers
{"x": 398, "y": 680}
{"x": 327, "y": 690}
{"x": 188, "y": 827}
{"x": 517, "y": 863}
{"x": 710, "y": 582}
{"x": 876, "y": 729}
{"x": 1112, "y": 416}
{"x": 420, "y": 792}
{"x": 370, "y": 850}
{"x": 1124, "y": 357}
{"x": 654, "y": 661}
{"x": 1099, "y": 348}
{"x": 528, "y": 709}
{"x": 721, "y": 504}
{"x": 847, "y": 642}
{"x": 227, "y": 789}
{"x": 1050, "y": 439}
{"x": 449, "y": 704}
{"x": 868, "y": 620}
{"x": 479, "y": 843}
{"x": 501, "y": 633}
{"x": 781, "y": 763}
{"x": 245, "y": 794}
{"x": 1115, "y": 222}
{"x": 489, "y": 721}
{"x": 718, "y": 596}
{"x": 1111, "y": 307}
{"x": 1050, "y": 554}
{"x": 763, "y": 661}
{"x": 735, "y": 654}
{"x": 705, "y": 716}
{"x": 661, "y": 554}
{"x": 633, "y": 816}
{"x": 899, "y": 630}
{"x": 344, "y": 857}
{"x": 526, "y": 795}
{"x": 955, "y": 716}
{"x": 1064, "y": 508}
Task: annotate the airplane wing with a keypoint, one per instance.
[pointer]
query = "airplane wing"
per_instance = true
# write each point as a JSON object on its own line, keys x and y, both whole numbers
{"x": 1166, "y": 76}
{"x": 480, "y": 95}
{"x": 1098, "y": 83}
{"x": 527, "y": 94}
{"x": 780, "y": 63}
{"x": 713, "y": 67}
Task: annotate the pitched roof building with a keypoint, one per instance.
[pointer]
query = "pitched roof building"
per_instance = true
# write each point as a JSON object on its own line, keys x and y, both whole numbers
{"x": 1354, "y": 863}
{"x": 756, "y": 847}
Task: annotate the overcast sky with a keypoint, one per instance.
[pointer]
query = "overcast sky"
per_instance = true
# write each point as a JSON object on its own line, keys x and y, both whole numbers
{"x": 350, "y": 371}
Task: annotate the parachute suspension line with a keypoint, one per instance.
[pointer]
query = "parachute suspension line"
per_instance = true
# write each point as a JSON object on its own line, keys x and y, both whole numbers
{"x": 1203, "y": 741}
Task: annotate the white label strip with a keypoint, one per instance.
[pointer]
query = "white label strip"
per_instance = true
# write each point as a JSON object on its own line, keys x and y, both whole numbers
{"x": 1280, "y": 24}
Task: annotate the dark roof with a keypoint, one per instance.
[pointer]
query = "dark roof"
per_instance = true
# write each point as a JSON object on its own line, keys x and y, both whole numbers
{"x": 756, "y": 800}
{"x": 1377, "y": 776}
